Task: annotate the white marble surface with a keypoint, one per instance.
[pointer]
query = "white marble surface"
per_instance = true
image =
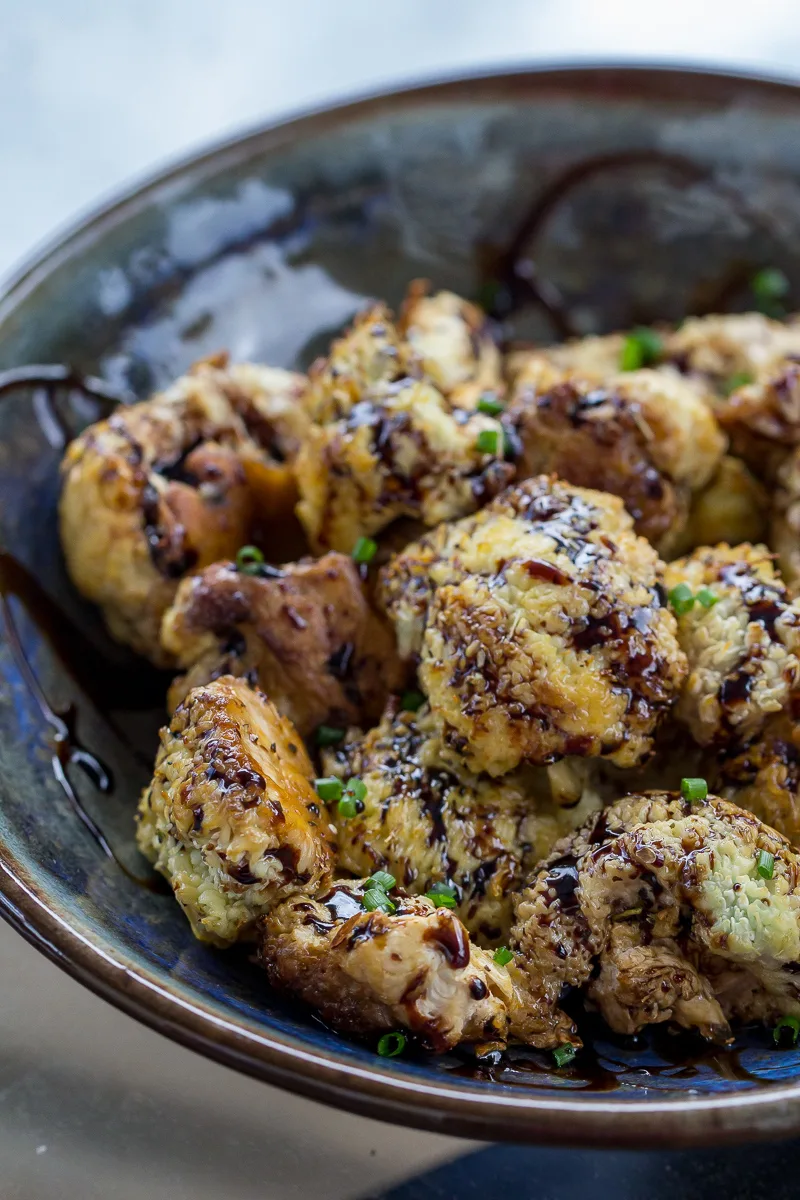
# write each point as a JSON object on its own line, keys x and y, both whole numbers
{"x": 93, "y": 92}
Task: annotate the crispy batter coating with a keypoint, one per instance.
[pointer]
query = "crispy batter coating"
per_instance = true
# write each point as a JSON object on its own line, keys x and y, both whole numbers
{"x": 540, "y": 629}
{"x": 743, "y": 650}
{"x": 647, "y": 436}
{"x": 305, "y": 632}
{"x": 426, "y": 821}
{"x": 762, "y": 417}
{"x": 637, "y": 904}
{"x": 765, "y": 776}
{"x": 785, "y": 518}
{"x": 451, "y": 340}
{"x": 231, "y": 818}
{"x": 718, "y": 349}
{"x": 597, "y": 357}
{"x": 402, "y": 451}
{"x": 174, "y": 483}
{"x": 370, "y": 972}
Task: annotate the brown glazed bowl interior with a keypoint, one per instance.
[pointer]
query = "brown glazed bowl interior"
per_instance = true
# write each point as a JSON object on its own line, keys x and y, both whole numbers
{"x": 625, "y": 195}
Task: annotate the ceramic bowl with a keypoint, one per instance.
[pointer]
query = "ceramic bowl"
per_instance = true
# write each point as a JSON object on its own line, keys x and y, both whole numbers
{"x": 636, "y": 193}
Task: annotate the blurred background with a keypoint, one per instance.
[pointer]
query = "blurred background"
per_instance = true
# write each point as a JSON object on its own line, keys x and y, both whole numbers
{"x": 92, "y": 93}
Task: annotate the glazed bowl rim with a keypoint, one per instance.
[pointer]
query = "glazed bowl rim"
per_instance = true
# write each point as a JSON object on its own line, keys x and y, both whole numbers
{"x": 383, "y": 1091}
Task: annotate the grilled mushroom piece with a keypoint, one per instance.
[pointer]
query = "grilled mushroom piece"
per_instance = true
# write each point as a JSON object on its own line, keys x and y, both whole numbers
{"x": 231, "y": 818}
{"x": 172, "y": 484}
{"x": 368, "y": 972}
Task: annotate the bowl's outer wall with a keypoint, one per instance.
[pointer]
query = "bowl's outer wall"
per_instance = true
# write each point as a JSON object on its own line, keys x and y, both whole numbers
{"x": 266, "y": 247}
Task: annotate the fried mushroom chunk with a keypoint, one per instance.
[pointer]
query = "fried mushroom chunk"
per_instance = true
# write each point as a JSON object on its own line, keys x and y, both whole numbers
{"x": 451, "y": 341}
{"x": 762, "y": 416}
{"x": 785, "y": 518}
{"x": 427, "y": 822}
{"x": 742, "y": 641}
{"x": 722, "y": 350}
{"x": 231, "y": 818}
{"x": 733, "y": 507}
{"x": 174, "y": 483}
{"x": 647, "y": 908}
{"x": 540, "y": 629}
{"x": 765, "y": 776}
{"x": 646, "y": 436}
{"x": 370, "y": 972}
{"x": 304, "y": 632}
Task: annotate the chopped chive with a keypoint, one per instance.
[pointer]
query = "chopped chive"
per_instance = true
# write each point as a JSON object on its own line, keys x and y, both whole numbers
{"x": 694, "y": 790}
{"x": 502, "y": 956}
{"x": 364, "y": 550}
{"x": 391, "y": 1044}
{"x": 443, "y": 895}
{"x": 348, "y": 807}
{"x": 489, "y": 441}
{"x": 411, "y": 701}
{"x": 375, "y": 897}
{"x": 384, "y": 880}
{"x": 681, "y": 598}
{"x": 706, "y": 597}
{"x": 765, "y": 864}
{"x": 792, "y": 1024}
{"x": 249, "y": 559}
{"x": 326, "y": 735}
{"x": 564, "y": 1054}
{"x": 769, "y": 287}
{"x": 328, "y": 789}
{"x": 740, "y": 379}
{"x": 490, "y": 405}
{"x": 636, "y": 911}
{"x": 641, "y": 348}
{"x": 356, "y": 788}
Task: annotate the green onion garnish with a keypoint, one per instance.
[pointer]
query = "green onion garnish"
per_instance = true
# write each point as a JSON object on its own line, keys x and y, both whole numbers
{"x": 326, "y": 735}
{"x": 364, "y": 550}
{"x": 706, "y": 597}
{"x": 627, "y": 913}
{"x": 770, "y": 286}
{"x": 347, "y": 807}
{"x": 765, "y": 864}
{"x": 375, "y": 897}
{"x": 564, "y": 1054}
{"x": 383, "y": 880}
{"x": 489, "y": 441}
{"x": 793, "y": 1026}
{"x": 502, "y": 956}
{"x": 641, "y": 348}
{"x": 443, "y": 895}
{"x": 411, "y": 701}
{"x": 694, "y": 790}
{"x": 490, "y": 405}
{"x": 356, "y": 788}
{"x": 391, "y": 1044}
{"x": 681, "y": 598}
{"x": 328, "y": 789}
{"x": 249, "y": 559}
{"x": 740, "y": 379}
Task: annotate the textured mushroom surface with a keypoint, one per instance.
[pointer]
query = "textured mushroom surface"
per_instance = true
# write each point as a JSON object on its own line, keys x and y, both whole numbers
{"x": 540, "y": 629}
{"x": 650, "y": 907}
{"x": 231, "y": 818}
{"x": 370, "y": 972}
{"x": 305, "y": 632}
{"x": 174, "y": 483}
{"x": 742, "y": 644}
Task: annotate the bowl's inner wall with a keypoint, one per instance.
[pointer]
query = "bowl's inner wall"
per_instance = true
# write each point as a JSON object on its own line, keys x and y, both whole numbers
{"x": 269, "y": 248}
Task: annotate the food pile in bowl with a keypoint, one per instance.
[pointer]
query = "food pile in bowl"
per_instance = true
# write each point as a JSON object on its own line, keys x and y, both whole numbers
{"x": 524, "y": 725}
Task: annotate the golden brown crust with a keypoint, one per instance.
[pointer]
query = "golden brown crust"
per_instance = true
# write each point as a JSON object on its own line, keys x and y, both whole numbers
{"x": 762, "y": 417}
{"x": 231, "y": 818}
{"x": 718, "y": 349}
{"x": 172, "y": 484}
{"x": 427, "y": 821}
{"x": 743, "y": 651}
{"x": 540, "y": 629}
{"x": 370, "y": 972}
{"x": 732, "y": 508}
{"x": 304, "y": 632}
{"x": 765, "y": 776}
{"x": 683, "y": 881}
{"x": 646, "y": 436}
